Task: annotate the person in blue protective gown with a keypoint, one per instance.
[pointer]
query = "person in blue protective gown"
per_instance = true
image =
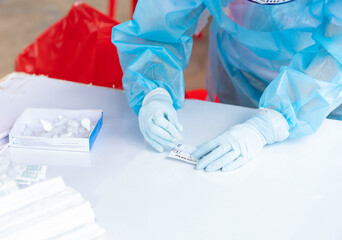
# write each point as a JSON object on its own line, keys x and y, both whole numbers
{"x": 283, "y": 56}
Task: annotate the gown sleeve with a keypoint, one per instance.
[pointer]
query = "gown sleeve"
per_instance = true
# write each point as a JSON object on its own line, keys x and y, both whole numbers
{"x": 310, "y": 87}
{"x": 155, "y": 47}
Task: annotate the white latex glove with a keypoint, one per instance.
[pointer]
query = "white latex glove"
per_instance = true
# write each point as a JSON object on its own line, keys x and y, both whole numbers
{"x": 158, "y": 120}
{"x": 241, "y": 143}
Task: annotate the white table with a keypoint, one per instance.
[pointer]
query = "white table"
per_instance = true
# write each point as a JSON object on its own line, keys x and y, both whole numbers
{"x": 291, "y": 190}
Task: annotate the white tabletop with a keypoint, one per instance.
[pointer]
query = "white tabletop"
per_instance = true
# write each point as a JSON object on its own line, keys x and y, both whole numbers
{"x": 291, "y": 190}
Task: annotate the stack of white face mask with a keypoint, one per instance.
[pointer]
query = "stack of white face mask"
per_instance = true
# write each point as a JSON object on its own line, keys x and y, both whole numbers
{"x": 3, "y": 140}
{"x": 7, "y": 183}
{"x": 47, "y": 210}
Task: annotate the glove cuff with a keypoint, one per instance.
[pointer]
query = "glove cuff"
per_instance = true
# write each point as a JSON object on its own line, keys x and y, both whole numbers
{"x": 271, "y": 124}
{"x": 157, "y": 94}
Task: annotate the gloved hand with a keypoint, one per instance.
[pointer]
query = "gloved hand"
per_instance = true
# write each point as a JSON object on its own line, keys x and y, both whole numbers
{"x": 158, "y": 120}
{"x": 240, "y": 143}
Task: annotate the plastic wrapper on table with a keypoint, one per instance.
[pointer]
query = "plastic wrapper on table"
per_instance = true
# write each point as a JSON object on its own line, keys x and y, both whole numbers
{"x": 76, "y": 48}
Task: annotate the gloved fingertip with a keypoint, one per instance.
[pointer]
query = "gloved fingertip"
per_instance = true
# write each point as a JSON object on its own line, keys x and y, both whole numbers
{"x": 229, "y": 168}
{"x": 172, "y": 145}
{"x": 179, "y": 127}
{"x": 196, "y": 155}
{"x": 159, "y": 148}
{"x": 200, "y": 166}
{"x": 209, "y": 169}
{"x": 212, "y": 168}
{"x": 175, "y": 135}
{"x": 224, "y": 169}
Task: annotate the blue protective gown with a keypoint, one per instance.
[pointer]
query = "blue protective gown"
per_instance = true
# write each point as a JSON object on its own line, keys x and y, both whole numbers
{"x": 283, "y": 56}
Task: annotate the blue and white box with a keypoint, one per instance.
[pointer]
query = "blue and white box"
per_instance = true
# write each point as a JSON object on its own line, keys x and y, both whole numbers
{"x": 32, "y": 119}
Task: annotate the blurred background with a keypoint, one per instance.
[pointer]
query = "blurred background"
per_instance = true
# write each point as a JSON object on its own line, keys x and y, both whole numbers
{"x": 21, "y": 22}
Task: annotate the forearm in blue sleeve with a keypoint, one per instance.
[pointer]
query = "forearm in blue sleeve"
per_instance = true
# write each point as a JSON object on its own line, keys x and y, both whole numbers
{"x": 155, "y": 47}
{"x": 310, "y": 88}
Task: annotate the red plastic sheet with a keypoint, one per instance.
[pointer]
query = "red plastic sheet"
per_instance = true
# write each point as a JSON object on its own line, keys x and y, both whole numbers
{"x": 199, "y": 94}
{"x": 76, "y": 48}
